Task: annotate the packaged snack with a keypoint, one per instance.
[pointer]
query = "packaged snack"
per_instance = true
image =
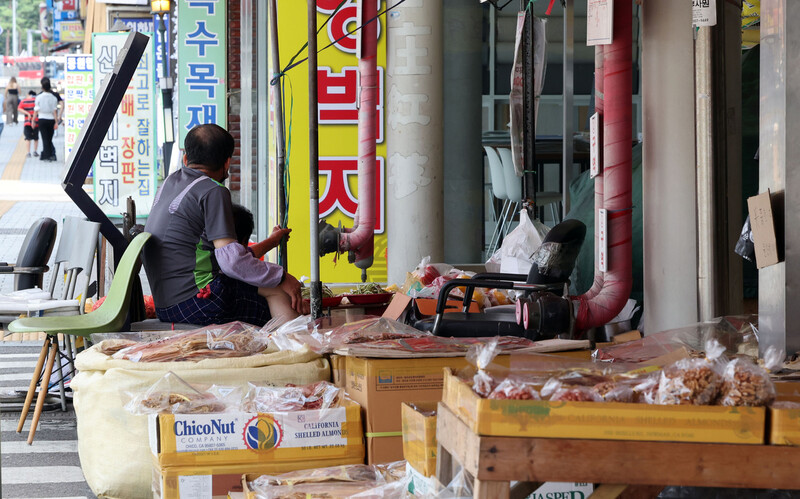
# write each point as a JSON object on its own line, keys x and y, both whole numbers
{"x": 515, "y": 389}
{"x": 694, "y": 381}
{"x": 112, "y": 346}
{"x": 745, "y": 383}
{"x": 350, "y": 481}
{"x": 171, "y": 394}
{"x": 317, "y": 396}
{"x": 615, "y": 391}
{"x": 646, "y": 391}
{"x": 481, "y": 356}
{"x": 575, "y": 394}
{"x": 234, "y": 339}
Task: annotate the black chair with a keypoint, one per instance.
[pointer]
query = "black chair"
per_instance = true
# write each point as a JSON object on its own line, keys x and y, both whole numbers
{"x": 544, "y": 287}
{"x": 34, "y": 253}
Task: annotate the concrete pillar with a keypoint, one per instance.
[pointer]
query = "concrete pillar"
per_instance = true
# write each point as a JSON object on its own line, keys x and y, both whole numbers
{"x": 668, "y": 190}
{"x": 463, "y": 155}
{"x": 415, "y": 225}
{"x": 778, "y": 290}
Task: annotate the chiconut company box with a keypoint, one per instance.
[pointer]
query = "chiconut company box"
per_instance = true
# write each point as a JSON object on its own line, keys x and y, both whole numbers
{"x": 333, "y": 436}
{"x": 419, "y": 436}
{"x": 603, "y": 420}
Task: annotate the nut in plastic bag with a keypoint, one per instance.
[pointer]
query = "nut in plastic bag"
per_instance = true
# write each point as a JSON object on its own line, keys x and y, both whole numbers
{"x": 693, "y": 381}
{"x": 745, "y": 383}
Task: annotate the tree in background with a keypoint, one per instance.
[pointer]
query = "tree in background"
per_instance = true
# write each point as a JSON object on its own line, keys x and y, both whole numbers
{"x": 27, "y": 18}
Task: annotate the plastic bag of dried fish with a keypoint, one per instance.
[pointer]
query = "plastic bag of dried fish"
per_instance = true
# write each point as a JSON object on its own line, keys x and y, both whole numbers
{"x": 172, "y": 395}
{"x": 234, "y": 339}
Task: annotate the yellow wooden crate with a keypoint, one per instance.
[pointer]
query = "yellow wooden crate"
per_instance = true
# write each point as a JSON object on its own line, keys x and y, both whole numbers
{"x": 603, "y": 420}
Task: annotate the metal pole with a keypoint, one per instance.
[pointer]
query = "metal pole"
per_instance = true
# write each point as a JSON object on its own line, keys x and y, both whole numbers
{"x": 706, "y": 213}
{"x": 280, "y": 133}
{"x": 568, "y": 125}
{"x": 313, "y": 161}
{"x": 166, "y": 97}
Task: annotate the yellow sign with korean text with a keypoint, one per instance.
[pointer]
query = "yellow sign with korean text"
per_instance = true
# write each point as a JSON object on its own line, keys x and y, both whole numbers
{"x": 338, "y": 135}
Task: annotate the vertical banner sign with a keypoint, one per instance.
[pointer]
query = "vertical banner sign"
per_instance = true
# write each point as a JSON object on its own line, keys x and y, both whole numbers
{"x": 602, "y": 247}
{"x": 78, "y": 97}
{"x": 594, "y": 145}
{"x": 202, "y": 72}
{"x": 150, "y": 24}
{"x": 126, "y": 162}
{"x": 338, "y": 82}
{"x": 599, "y": 22}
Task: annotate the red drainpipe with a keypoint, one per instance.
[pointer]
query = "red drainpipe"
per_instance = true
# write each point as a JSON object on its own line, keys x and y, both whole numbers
{"x": 597, "y": 285}
{"x": 609, "y": 300}
{"x": 359, "y": 238}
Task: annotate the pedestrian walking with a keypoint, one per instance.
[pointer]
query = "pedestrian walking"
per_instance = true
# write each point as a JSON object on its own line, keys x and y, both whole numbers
{"x": 31, "y": 131}
{"x": 46, "y": 111}
{"x": 12, "y": 101}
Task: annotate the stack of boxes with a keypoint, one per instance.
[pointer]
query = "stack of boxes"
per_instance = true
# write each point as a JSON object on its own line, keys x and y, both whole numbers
{"x": 203, "y": 456}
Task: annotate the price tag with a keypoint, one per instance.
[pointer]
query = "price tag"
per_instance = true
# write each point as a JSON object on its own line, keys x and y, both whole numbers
{"x": 594, "y": 145}
{"x": 602, "y": 233}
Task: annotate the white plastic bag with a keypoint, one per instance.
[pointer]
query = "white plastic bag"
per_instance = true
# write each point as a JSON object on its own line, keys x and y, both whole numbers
{"x": 515, "y": 256}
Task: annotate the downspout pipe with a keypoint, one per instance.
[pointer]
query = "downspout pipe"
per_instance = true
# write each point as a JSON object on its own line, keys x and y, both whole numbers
{"x": 359, "y": 240}
{"x": 599, "y": 106}
{"x": 599, "y": 309}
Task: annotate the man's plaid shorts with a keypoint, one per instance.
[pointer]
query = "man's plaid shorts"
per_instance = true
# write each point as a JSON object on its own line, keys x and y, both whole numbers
{"x": 230, "y": 300}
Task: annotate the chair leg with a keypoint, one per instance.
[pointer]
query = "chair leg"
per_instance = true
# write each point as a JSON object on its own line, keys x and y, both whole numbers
{"x": 37, "y": 412}
{"x": 494, "y": 243}
{"x": 70, "y": 351}
{"x": 37, "y": 371}
{"x": 61, "y": 376}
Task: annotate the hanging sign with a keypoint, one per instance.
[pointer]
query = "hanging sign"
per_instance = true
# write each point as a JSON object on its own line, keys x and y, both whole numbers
{"x": 202, "y": 72}
{"x": 126, "y": 162}
{"x": 602, "y": 239}
{"x": 594, "y": 145}
{"x": 704, "y": 12}
{"x": 599, "y": 22}
{"x": 78, "y": 98}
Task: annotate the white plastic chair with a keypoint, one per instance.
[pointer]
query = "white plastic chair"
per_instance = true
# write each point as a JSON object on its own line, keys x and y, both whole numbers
{"x": 498, "y": 182}
{"x": 72, "y": 264}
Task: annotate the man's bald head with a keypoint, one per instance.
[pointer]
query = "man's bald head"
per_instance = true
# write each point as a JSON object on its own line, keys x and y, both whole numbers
{"x": 208, "y": 145}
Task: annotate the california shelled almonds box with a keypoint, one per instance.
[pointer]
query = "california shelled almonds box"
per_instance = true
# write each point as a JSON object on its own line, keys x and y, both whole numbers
{"x": 334, "y": 434}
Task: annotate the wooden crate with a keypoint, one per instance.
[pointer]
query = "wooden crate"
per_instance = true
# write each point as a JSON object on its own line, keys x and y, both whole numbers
{"x": 495, "y": 461}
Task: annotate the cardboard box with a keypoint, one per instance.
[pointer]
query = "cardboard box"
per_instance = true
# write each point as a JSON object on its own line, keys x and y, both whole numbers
{"x": 381, "y": 385}
{"x": 419, "y": 437}
{"x": 338, "y": 368}
{"x": 604, "y": 421}
{"x": 762, "y": 223}
{"x": 291, "y": 438}
{"x": 219, "y": 481}
{"x": 785, "y": 423}
{"x": 384, "y": 448}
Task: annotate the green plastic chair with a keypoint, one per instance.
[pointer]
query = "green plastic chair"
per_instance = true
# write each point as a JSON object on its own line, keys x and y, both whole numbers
{"x": 109, "y": 317}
